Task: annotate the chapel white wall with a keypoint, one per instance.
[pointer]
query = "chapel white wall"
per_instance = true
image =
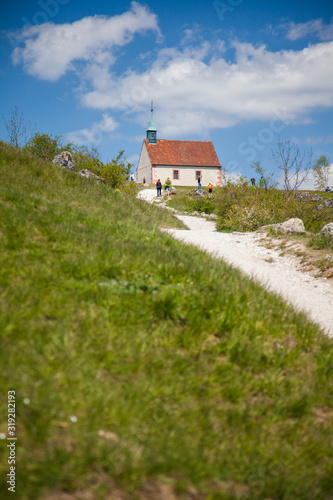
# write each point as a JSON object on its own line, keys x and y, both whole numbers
{"x": 144, "y": 166}
{"x": 186, "y": 175}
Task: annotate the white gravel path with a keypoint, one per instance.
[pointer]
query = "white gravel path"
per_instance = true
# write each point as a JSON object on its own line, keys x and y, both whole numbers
{"x": 314, "y": 296}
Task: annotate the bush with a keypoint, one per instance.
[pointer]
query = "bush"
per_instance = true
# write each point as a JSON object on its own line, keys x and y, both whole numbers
{"x": 85, "y": 158}
{"x": 44, "y": 146}
{"x": 244, "y": 208}
{"x": 129, "y": 188}
{"x": 117, "y": 171}
{"x": 205, "y": 204}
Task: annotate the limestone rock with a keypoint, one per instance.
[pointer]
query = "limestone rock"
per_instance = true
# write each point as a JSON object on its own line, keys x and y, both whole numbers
{"x": 310, "y": 197}
{"x": 89, "y": 175}
{"x": 327, "y": 230}
{"x": 65, "y": 160}
{"x": 291, "y": 226}
{"x": 329, "y": 203}
{"x": 200, "y": 193}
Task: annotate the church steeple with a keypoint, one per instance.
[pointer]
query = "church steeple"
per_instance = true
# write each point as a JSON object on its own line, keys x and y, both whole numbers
{"x": 151, "y": 130}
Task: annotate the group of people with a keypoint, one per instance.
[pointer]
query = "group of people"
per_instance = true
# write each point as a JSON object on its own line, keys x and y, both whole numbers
{"x": 261, "y": 181}
{"x": 210, "y": 185}
{"x": 168, "y": 185}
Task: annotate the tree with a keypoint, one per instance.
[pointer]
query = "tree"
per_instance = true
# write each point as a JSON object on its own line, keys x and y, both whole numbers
{"x": 85, "y": 158}
{"x": 117, "y": 171}
{"x": 18, "y": 132}
{"x": 44, "y": 146}
{"x": 266, "y": 176}
{"x": 321, "y": 172}
{"x": 295, "y": 164}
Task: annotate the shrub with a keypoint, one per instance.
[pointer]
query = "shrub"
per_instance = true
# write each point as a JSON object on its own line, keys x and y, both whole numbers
{"x": 205, "y": 204}
{"x": 44, "y": 146}
{"x": 129, "y": 188}
{"x": 117, "y": 171}
{"x": 85, "y": 158}
{"x": 245, "y": 209}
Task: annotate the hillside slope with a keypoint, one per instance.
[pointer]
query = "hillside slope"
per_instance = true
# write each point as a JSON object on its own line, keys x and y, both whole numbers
{"x": 143, "y": 368}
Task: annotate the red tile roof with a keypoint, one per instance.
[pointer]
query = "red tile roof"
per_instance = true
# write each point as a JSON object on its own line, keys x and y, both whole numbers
{"x": 190, "y": 153}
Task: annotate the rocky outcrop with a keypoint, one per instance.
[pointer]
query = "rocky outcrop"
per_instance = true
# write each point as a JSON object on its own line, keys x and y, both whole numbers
{"x": 291, "y": 226}
{"x": 65, "y": 160}
{"x": 296, "y": 226}
{"x": 89, "y": 175}
{"x": 329, "y": 203}
{"x": 199, "y": 193}
{"x": 327, "y": 230}
{"x": 309, "y": 197}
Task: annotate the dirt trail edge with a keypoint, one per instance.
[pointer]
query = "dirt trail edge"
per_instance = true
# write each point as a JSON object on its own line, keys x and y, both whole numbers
{"x": 277, "y": 273}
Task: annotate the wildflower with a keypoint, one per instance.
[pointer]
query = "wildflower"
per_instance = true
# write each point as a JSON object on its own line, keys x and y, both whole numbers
{"x": 26, "y": 401}
{"x": 73, "y": 418}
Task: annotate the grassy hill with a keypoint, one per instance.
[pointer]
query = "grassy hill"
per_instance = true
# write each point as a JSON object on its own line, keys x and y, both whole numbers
{"x": 143, "y": 368}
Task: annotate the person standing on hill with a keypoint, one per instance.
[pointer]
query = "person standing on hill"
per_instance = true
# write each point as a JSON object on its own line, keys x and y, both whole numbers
{"x": 167, "y": 185}
{"x": 253, "y": 181}
{"x": 210, "y": 188}
{"x": 199, "y": 181}
{"x": 159, "y": 187}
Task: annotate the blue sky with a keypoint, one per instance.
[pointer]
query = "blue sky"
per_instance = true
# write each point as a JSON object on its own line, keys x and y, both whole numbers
{"x": 238, "y": 72}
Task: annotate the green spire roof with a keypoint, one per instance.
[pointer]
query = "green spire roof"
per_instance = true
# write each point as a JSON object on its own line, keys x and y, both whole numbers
{"x": 151, "y": 125}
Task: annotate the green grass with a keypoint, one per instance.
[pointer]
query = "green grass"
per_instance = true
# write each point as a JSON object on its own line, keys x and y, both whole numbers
{"x": 246, "y": 209}
{"x": 181, "y": 373}
{"x": 241, "y": 208}
{"x": 321, "y": 241}
{"x": 184, "y": 201}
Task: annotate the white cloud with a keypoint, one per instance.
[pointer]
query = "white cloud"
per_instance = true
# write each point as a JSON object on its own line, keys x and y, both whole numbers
{"x": 192, "y": 34}
{"x": 315, "y": 27}
{"x": 51, "y": 50}
{"x": 195, "y": 88}
{"x": 93, "y": 135}
{"x": 321, "y": 139}
{"x": 193, "y": 93}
